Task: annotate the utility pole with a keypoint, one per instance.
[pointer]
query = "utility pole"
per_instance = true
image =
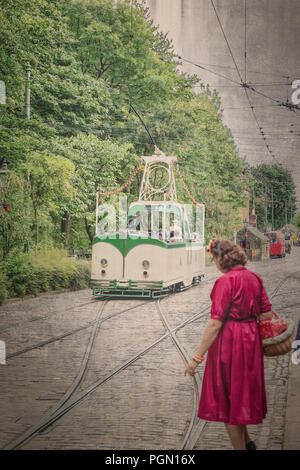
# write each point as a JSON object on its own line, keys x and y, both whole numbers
{"x": 272, "y": 210}
{"x": 27, "y": 99}
{"x": 266, "y": 193}
{"x": 285, "y": 212}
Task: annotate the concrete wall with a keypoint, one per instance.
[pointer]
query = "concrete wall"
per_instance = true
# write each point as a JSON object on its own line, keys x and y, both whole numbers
{"x": 272, "y": 32}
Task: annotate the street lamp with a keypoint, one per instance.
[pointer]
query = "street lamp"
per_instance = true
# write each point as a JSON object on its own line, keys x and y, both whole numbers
{"x": 245, "y": 222}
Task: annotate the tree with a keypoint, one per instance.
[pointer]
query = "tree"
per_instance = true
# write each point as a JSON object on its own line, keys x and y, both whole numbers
{"x": 99, "y": 165}
{"x": 48, "y": 178}
{"x": 15, "y": 222}
{"x": 275, "y": 188}
{"x": 93, "y": 61}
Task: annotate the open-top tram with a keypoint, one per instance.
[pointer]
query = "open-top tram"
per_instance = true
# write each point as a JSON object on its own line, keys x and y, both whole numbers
{"x": 156, "y": 252}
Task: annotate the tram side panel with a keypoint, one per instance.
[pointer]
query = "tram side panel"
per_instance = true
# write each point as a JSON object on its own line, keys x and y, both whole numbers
{"x": 198, "y": 260}
{"x": 192, "y": 260}
{"x": 107, "y": 262}
{"x": 170, "y": 264}
{"x": 156, "y": 256}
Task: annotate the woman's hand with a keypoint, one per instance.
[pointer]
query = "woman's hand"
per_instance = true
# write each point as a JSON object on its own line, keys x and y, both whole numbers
{"x": 191, "y": 368}
{"x": 265, "y": 316}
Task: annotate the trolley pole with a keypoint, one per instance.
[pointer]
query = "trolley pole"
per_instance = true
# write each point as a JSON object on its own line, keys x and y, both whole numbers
{"x": 27, "y": 93}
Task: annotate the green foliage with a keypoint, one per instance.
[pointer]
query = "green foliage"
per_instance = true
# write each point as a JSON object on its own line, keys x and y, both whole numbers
{"x": 3, "y": 285}
{"x": 273, "y": 183}
{"x": 50, "y": 270}
{"x": 90, "y": 61}
{"x": 296, "y": 220}
{"x": 19, "y": 270}
{"x": 14, "y": 224}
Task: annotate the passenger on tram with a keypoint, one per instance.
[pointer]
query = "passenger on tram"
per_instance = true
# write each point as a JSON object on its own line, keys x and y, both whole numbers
{"x": 175, "y": 232}
{"x": 162, "y": 234}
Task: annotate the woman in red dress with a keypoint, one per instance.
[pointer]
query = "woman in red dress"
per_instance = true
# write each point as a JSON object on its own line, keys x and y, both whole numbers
{"x": 233, "y": 388}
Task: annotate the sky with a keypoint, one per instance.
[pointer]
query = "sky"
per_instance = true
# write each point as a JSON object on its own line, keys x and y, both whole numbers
{"x": 249, "y": 51}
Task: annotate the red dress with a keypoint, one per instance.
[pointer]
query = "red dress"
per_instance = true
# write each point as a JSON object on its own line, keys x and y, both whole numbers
{"x": 233, "y": 388}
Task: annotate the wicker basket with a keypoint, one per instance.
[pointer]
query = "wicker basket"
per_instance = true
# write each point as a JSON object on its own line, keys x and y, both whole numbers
{"x": 281, "y": 344}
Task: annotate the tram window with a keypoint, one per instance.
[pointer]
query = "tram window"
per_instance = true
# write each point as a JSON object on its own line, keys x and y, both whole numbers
{"x": 172, "y": 218}
{"x": 134, "y": 221}
{"x": 149, "y": 222}
{"x": 161, "y": 220}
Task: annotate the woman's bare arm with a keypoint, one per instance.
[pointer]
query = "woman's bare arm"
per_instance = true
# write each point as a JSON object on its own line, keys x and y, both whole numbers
{"x": 210, "y": 333}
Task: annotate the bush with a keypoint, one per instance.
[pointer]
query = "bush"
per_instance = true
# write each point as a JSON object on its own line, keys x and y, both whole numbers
{"x": 49, "y": 270}
{"x": 3, "y": 286}
{"x": 19, "y": 271}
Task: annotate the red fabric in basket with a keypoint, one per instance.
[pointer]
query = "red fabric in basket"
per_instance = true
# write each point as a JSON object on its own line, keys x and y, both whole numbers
{"x": 269, "y": 328}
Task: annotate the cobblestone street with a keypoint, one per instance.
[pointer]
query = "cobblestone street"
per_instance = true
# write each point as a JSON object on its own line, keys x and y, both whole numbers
{"x": 147, "y": 404}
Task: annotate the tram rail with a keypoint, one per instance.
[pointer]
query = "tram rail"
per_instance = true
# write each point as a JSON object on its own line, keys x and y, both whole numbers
{"x": 71, "y": 399}
{"x": 196, "y": 426}
{"x": 71, "y": 332}
{"x": 53, "y": 312}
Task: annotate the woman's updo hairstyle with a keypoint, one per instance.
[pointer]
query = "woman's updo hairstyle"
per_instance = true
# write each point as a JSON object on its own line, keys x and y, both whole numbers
{"x": 228, "y": 253}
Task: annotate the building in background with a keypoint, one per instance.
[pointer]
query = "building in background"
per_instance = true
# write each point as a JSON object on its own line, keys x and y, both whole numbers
{"x": 254, "y": 242}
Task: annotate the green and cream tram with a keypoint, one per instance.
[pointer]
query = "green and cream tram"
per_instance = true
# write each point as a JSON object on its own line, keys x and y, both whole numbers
{"x": 156, "y": 253}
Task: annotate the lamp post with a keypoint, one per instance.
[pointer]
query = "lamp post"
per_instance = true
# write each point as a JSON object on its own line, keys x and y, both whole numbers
{"x": 27, "y": 90}
{"x": 4, "y": 182}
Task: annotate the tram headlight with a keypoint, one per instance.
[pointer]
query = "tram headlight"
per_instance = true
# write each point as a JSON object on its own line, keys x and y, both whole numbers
{"x": 103, "y": 262}
{"x": 146, "y": 264}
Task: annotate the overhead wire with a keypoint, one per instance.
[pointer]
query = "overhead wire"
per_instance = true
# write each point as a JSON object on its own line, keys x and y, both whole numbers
{"x": 243, "y": 84}
{"x": 245, "y": 39}
{"x": 208, "y": 70}
{"x": 249, "y": 71}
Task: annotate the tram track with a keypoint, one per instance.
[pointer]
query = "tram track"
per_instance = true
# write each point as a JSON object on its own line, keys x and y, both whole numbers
{"x": 196, "y": 426}
{"x": 69, "y": 403}
{"x": 282, "y": 282}
{"x": 49, "y": 314}
{"x": 70, "y": 332}
{"x": 61, "y": 311}
{"x": 73, "y": 331}
{"x": 71, "y": 399}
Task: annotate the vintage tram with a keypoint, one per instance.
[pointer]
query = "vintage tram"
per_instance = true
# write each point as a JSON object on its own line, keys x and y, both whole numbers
{"x": 156, "y": 252}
